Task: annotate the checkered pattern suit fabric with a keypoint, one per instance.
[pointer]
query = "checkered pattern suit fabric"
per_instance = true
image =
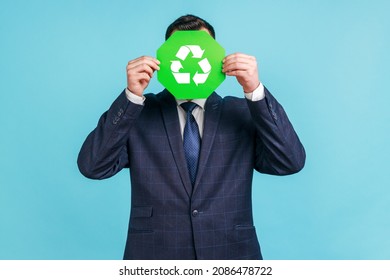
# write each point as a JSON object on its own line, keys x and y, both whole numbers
{"x": 171, "y": 218}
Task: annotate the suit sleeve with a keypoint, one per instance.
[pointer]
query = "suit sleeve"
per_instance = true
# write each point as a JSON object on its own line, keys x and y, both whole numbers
{"x": 104, "y": 152}
{"x": 278, "y": 148}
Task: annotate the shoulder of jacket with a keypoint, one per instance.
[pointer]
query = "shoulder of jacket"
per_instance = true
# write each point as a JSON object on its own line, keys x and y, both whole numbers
{"x": 235, "y": 101}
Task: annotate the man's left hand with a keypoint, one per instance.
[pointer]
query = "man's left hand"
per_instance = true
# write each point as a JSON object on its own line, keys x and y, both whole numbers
{"x": 244, "y": 68}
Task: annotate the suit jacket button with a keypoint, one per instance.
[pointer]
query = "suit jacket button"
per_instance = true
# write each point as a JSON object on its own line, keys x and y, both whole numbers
{"x": 195, "y": 213}
{"x": 115, "y": 120}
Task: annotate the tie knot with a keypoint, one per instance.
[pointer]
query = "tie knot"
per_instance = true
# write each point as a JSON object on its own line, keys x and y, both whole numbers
{"x": 188, "y": 106}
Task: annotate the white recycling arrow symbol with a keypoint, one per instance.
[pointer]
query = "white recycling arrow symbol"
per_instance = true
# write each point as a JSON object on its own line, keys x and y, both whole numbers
{"x": 185, "y": 78}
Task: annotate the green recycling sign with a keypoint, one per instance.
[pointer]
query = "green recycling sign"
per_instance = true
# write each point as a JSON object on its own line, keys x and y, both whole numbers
{"x": 191, "y": 64}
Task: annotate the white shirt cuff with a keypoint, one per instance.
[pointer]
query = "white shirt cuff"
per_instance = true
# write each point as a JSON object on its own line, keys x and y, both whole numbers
{"x": 139, "y": 100}
{"x": 257, "y": 94}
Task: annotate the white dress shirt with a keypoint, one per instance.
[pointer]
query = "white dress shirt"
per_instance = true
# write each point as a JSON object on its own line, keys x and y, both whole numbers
{"x": 198, "y": 112}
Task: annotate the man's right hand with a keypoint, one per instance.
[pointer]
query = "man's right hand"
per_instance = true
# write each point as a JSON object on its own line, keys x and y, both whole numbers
{"x": 139, "y": 73}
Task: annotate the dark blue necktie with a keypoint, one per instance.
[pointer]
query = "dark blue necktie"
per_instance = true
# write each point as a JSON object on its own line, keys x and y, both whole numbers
{"x": 191, "y": 140}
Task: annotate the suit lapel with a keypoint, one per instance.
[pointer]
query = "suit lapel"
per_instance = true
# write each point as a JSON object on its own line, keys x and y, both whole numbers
{"x": 172, "y": 127}
{"x": 212, "y": 113}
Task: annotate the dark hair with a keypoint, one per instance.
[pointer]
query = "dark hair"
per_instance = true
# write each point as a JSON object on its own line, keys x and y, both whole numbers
{"x": 189, "y": 22}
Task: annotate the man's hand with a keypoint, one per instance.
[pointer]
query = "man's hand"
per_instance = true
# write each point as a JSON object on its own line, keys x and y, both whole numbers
{"x": 139, "y": 73}
{"x": 244, "y": 68}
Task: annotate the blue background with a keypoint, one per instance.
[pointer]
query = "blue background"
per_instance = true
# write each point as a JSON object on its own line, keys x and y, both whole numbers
{"x": 327, "y": 62}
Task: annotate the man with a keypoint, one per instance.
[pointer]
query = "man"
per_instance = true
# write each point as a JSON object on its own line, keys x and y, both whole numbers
{"x": 181, "y": 208}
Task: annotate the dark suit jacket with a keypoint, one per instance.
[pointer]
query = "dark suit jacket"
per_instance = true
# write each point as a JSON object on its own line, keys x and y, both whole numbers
{"x": 169, "y": 218}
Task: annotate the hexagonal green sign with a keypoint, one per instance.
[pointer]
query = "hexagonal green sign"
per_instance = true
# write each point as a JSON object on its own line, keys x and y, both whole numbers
{"x": 191, "y": 64}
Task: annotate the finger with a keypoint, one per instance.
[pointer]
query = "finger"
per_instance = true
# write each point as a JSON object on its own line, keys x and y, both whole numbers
{"x": 152, "y": 62}
{"x": 145, "y": 57}
{"x": 237, "y": 66}
{"x": 144, "y": 77}
{"x": 237, "y": 73}
{"x": 139, "y": 78}
{"x": 141, "y": 68}
{"x": 148, "y": 58}
{"x": 148, "y": 63}
{"x": 241, "y": 60}
{"x": 239, "y": 57}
